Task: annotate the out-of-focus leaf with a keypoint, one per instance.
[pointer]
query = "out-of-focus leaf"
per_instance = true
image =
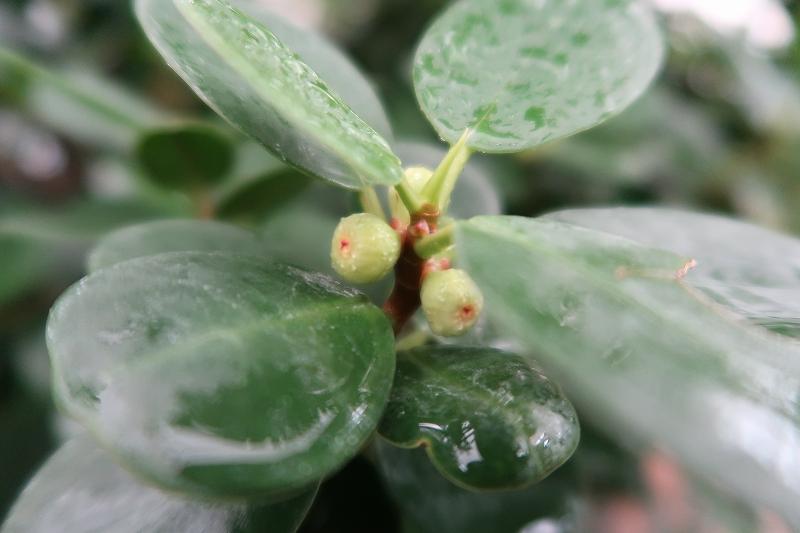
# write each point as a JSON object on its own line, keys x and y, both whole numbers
{"x": 153, "y": 238}
{"x": 78, "y": 103}
{"x": 751, "y": 270}
{"x": 523, "y": 72}
{"x": 185, "y": 157}
{"x": 651, "y": 358}
{"x": 474, "y": 193}
{"x": 80, "y": 489}
{"x": 221, "y": 374}
{"x": 488, "y": 419}
{"x": 259, "y": 197}
{"x": 22, "y": 265}
{"x": 243, "y": 71}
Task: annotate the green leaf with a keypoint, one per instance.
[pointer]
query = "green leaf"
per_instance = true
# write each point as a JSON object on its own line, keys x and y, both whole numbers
{"x": 80, "y": 489}
{"x": 78, "y": 103}
{"x": 242, "y": 70}
{"x": 647, "y": 355}
{"x": 488, "y": 419}
{"x": 185, "y": 157}
{"x": 431, "y": 504}
{"x": 261, "y": 196}
{"x": 153, "y": 238}
{"x": 220, "y": 374}
{"x": 23, "y": 265}
{"x": 523, "y": 72}
{"x": 751, "y": 270}
{"x": 474, "y": 193}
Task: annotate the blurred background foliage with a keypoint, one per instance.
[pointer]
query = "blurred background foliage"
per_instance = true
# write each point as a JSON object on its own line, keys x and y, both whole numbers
{"x": 90, "y": 118}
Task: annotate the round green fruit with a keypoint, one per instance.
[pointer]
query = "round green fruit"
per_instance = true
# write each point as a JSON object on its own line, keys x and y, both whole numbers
{"x": 451, "y": 301}
{"x": 364, "y": 248}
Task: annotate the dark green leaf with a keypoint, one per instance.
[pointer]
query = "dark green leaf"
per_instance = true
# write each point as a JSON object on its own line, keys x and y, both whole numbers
{"x": 220, "y": 374}
{"x": 81, "y": 490}
{"x": 186, "y": 157}
{"x": 261, "y": 196}
{"x": 431, "y": 504}
{"x": 751, "y": 270}
{"x": 488, "y": 419}
{"x": 242, "y": 70}
{"x": 523, "y": 72}
{"x": 23, "y": 264}
{"x": 650, "y": 357}
{"x": 153, "y": 238}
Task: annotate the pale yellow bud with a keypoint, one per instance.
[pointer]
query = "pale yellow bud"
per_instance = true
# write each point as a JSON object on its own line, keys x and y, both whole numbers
{"x": 417, "y": 178}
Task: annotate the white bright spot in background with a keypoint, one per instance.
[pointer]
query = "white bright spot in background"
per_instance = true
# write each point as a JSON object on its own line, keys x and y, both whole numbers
{"x": 764, "y": 23}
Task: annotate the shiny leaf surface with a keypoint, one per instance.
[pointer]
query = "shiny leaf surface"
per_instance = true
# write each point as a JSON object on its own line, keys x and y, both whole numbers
{"x": 153, "y": 238}
{"x": 80, "y": 489}
{"x": 488, "y": 419}
{"x": 238, "y": 65}
{"x": 221, "y": 374}
{"x": 759, "y": 279}
{"x": 645, "y": 353}
{"x": 523, "y": 72}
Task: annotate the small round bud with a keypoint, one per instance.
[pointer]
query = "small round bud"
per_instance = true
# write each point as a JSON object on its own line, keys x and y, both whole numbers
{"x": 417, "y": 177}
{"x": 451, "y": 301}
{"x": 364, "y": 248}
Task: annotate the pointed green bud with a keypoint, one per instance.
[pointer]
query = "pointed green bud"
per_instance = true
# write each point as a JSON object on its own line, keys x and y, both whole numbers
{"x": 417, "y": 177}
{"x": 364, "y": 248}
{"x": 451, "y": 301}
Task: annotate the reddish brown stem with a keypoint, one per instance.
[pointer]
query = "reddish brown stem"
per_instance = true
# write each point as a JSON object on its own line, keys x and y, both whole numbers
{"x": 404, "y": 300}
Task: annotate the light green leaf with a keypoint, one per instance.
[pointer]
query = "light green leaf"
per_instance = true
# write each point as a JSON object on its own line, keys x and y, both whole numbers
{"x": 153, "y": 238}
{"x": 648, "y": 356}
{"x": 523, "y": 72}
{"x": 245, "y": 73}
{"x": 81, "y": 490}
{"x": 474, "y": 193}
{"x": 488, "y": 419}
{"x": 751, "y": 270}
{"x": 220, "y": 374}
{"x": 185, "y": 157}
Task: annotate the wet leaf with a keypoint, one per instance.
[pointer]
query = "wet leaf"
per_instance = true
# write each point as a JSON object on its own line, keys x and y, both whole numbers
{"x": 750, "y": 270}
{"x": 153, "y": 238}
{"x": 474, "y": 193}
{"x": 221, "y": 374}
{"x": 524, "y": 72}
{"x": 80, "y": 490}
{"x": 648, "y": 356}
{"x": 488, "y": 419}
{"x": 238, "y": 65}
{"x": 185, "y": 157}
{"x": 432, "y": 504}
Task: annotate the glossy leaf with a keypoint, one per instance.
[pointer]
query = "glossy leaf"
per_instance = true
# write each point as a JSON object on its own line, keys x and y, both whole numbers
{"x": 153, "y": 238}
{"x": 80, "y": 489}
{"x": 431, "y": 504}
{"x": 221, "y": 374}
{"x": 644, "y": 353}
{"x": 488, "y": 419}
{"x": 523, "y": 72}
{"x": 750, "y": 270}
{"x": 238, "y": 65}
{"x": 474, "y": 193}
{"x": 185, "y": 157}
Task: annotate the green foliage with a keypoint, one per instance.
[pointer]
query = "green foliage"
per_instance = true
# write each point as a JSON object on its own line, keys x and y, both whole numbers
{"x": 226, "y": 375}
{"x": 487, "y": 418}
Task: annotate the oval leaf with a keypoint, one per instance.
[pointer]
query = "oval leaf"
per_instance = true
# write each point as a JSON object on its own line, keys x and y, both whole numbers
{"x": 245, "y": 73}
{"x": 154, "y": 238}
{"x": 523, "y": 72}
{"x": 751, "y": 270}
{"x": 185, "y": 157}
{"x": 220, "y": 374}
{"x": 80, "y": 489}
{"x": 645, "y": 353}
{"x": 489, "y": 419}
